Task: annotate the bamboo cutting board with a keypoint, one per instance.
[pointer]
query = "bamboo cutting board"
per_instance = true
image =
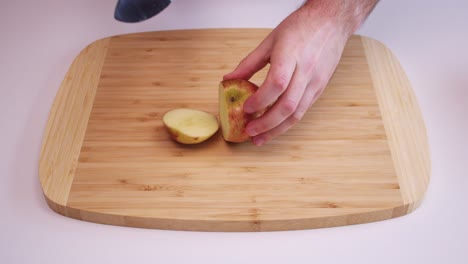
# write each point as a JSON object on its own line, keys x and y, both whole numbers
{"x": 359, "y": 155}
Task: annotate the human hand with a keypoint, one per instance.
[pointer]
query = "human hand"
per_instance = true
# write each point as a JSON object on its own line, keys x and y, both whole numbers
{"x": 303, "y": 52}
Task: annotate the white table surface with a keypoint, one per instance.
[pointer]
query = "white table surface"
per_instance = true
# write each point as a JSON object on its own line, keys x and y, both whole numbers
{"x": 38, "y": 41}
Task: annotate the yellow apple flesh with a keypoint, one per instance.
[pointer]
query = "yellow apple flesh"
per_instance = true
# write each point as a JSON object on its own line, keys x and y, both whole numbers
{"x": 189, "y": 126}
{"x": 232, "y": 95}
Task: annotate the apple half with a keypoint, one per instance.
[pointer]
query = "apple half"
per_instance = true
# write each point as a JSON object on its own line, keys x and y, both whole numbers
{"x": 190, "y": 126}
{"x": 232, "y": 95}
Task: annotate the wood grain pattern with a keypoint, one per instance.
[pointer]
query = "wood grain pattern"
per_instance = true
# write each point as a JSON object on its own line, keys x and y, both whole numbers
{"x": 403, "y": 121}
{"x": 67, "y": 122}
{"x": 336, "y": 167}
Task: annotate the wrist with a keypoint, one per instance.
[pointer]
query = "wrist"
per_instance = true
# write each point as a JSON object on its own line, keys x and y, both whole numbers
{"x": 344, "y": 15}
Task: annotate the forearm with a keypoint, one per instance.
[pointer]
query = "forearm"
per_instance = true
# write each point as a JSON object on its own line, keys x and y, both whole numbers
{"x": 347, "y": 14}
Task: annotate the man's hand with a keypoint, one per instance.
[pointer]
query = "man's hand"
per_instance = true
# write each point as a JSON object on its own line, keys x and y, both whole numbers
{"x": 303, "y": 52}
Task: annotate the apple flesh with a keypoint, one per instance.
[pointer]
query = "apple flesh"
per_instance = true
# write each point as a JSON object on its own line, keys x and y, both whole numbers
{"x": 232, "y": 95}
{"x": 190, "y": 126}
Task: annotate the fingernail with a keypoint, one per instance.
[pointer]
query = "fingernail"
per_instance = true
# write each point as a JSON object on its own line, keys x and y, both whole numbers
{"x": 251, "y": 131}
{"x": 258, "y": 141}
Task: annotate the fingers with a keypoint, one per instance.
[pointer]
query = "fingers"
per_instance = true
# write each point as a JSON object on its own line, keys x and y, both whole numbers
{"x": 308, "y": 98}
{"x": 279, "y": 75}
{"x": 286, "y": 106}
{"x": 317, "y": 95}
{"x": 251, "y": 64}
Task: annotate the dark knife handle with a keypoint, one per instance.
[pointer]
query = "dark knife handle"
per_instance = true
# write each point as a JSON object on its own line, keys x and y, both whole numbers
{"x": 132, "y": 11}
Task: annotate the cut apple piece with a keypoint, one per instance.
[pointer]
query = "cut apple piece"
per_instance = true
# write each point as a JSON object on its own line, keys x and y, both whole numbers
{"x": 190, "y": 126}
{"x": 232, "y": 95}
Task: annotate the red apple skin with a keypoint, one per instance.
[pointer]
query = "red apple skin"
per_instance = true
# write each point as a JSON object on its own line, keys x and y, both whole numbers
{"x": 235, "y": 93}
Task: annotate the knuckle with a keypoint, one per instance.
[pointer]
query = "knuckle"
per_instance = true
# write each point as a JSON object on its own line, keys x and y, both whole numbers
{"x": 288, "y": 107}
{"x": 318, "y": 93}
{"x": 280, "y": 83}
{"x": 309, "y": 65}
{"x": 296, "y": 116}
{"x": 321, "y": 80}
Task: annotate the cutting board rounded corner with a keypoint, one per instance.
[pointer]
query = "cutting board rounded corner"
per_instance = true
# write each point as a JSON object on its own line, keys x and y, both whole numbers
{"x": 71, "y": 110}
{"x": 67, "y": 122}
{"x": 403, "y": 121}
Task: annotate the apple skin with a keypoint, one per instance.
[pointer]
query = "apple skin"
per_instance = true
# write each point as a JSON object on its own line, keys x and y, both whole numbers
{"x": 232, "y": 96}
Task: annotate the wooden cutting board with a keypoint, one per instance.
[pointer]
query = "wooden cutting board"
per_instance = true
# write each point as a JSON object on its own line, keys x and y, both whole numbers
{"x": 359, "y": 155}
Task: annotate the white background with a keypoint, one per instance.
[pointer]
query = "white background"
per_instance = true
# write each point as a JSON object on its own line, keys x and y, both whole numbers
{"x": 38, "y": 41}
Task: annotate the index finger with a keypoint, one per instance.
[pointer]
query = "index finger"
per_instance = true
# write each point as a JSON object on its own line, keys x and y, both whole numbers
{"x": 279, "y": 75}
